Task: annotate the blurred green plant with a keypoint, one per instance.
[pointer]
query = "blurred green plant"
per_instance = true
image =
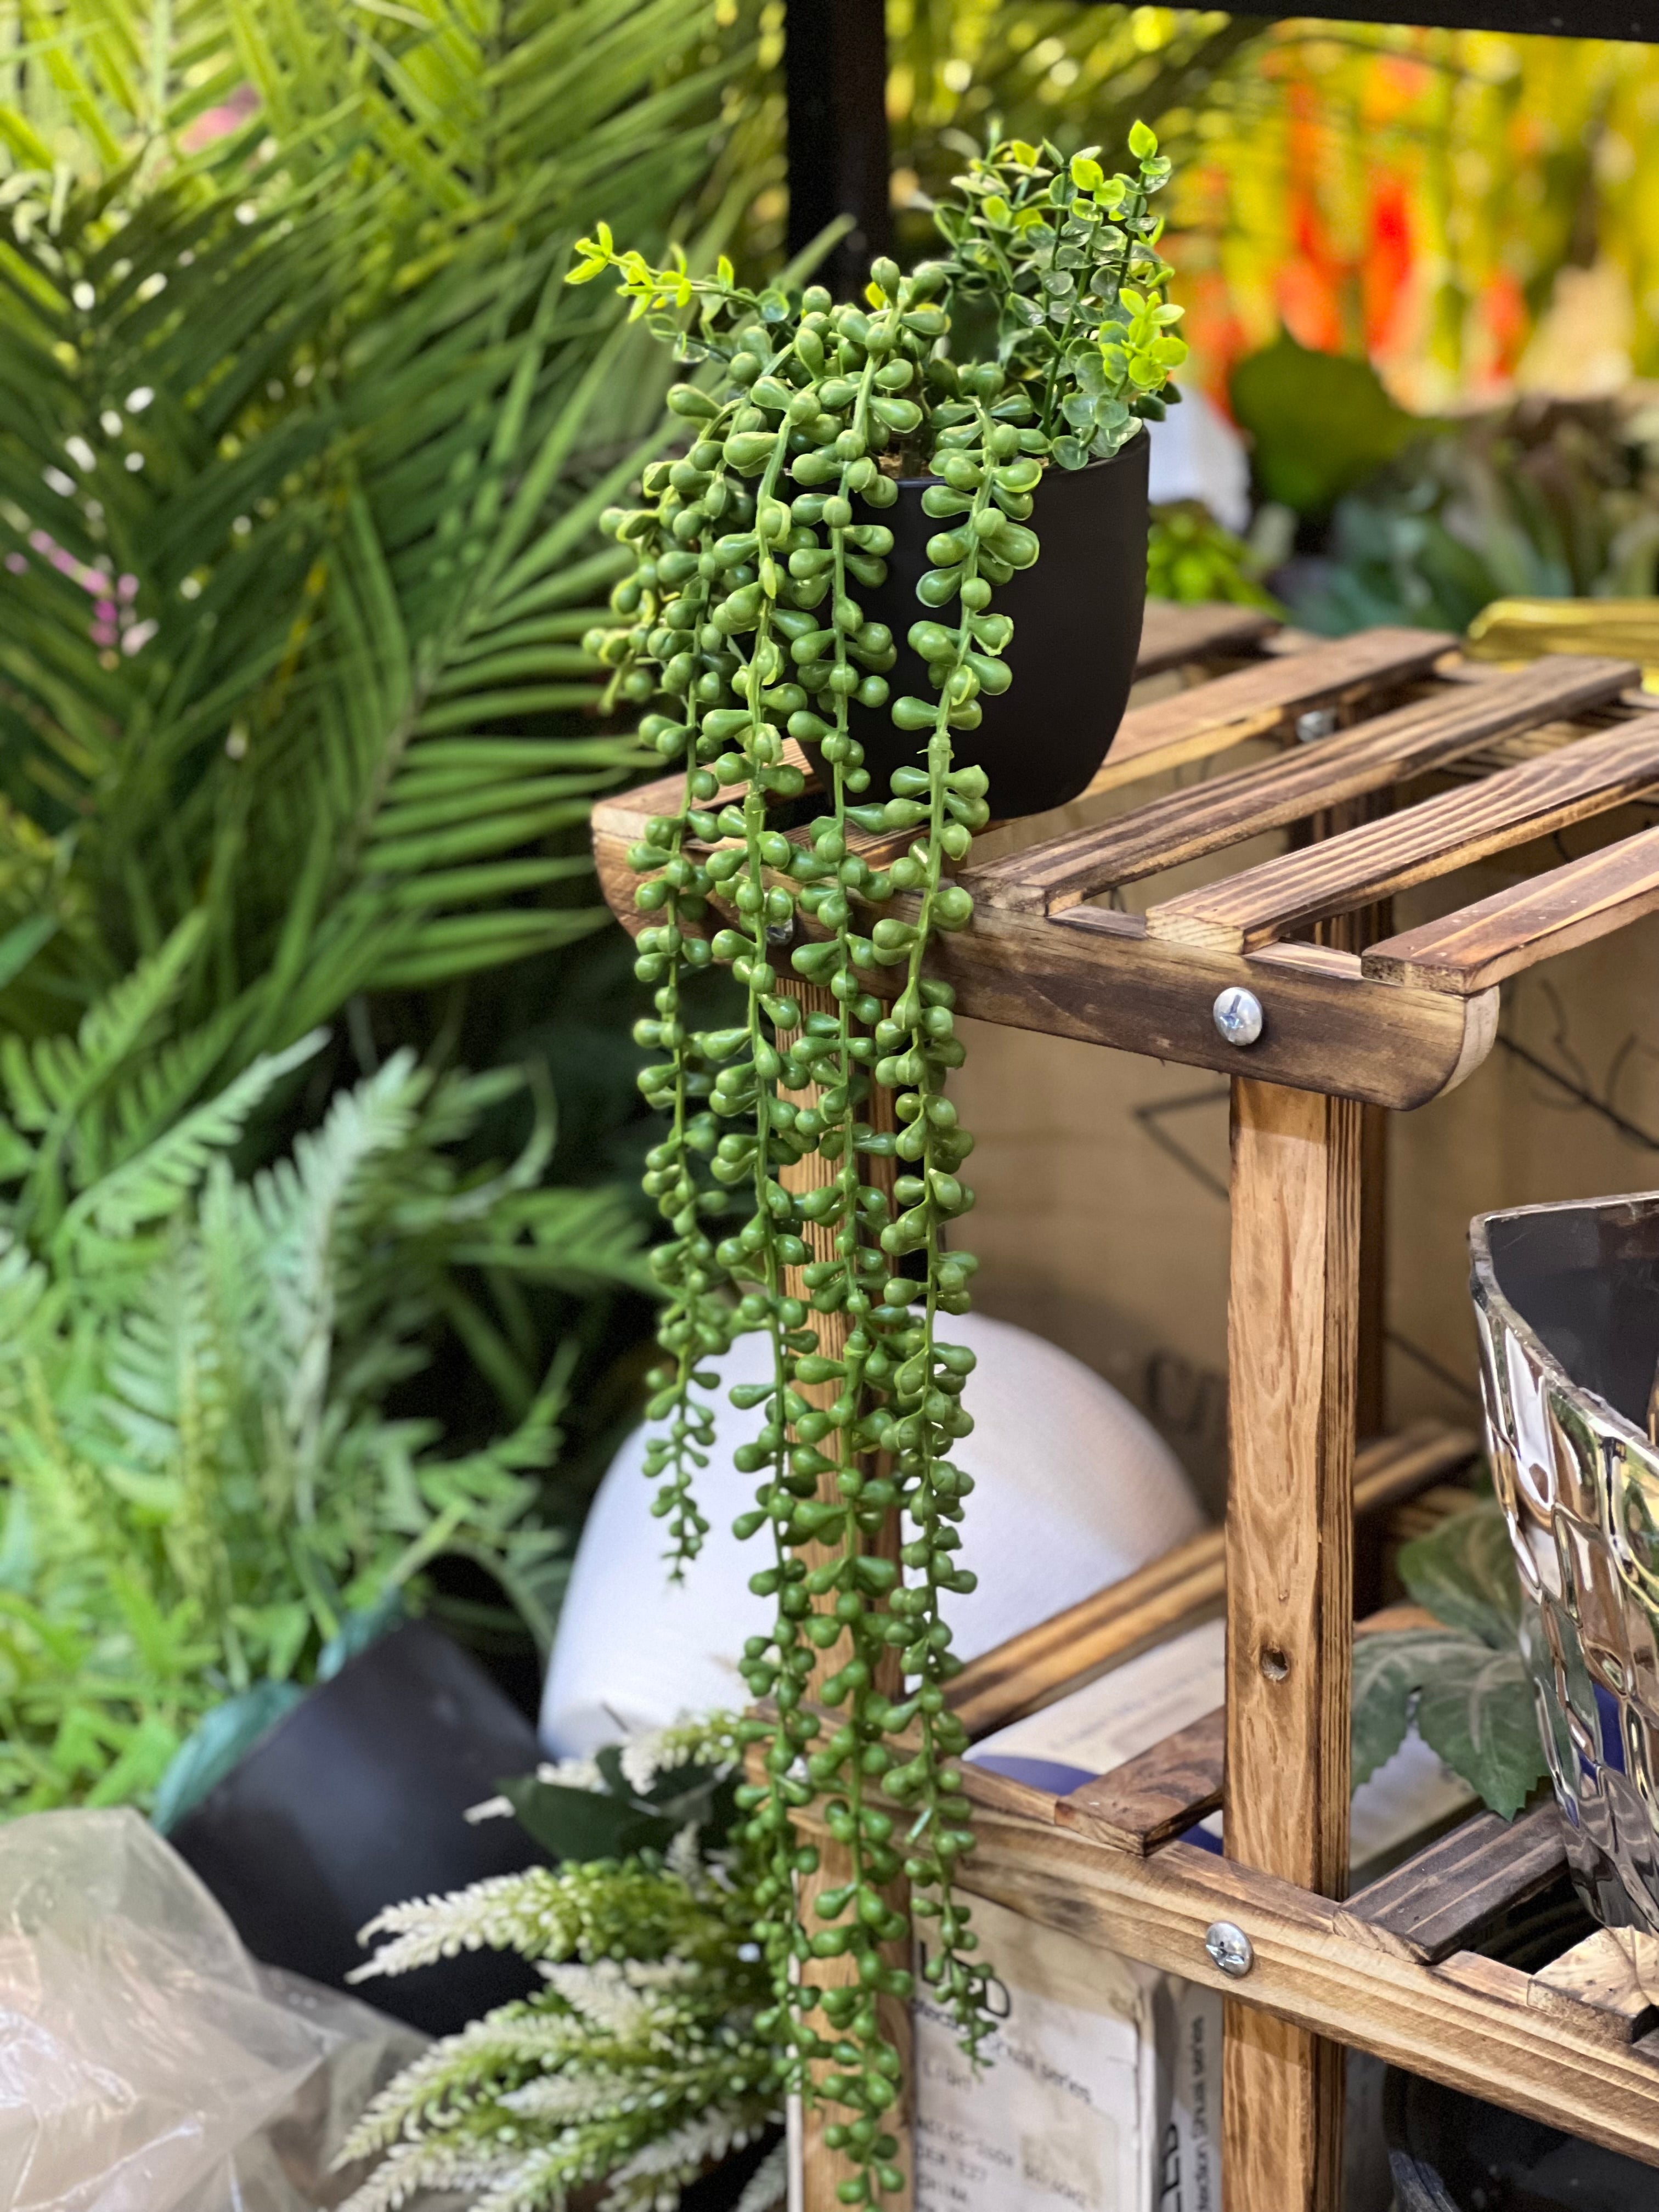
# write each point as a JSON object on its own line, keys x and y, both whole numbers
{"x": 204, "y": 1484}
{"x": 1546, "y": 500}
{"x": 303, "y": 447}
{"x": 1192, "y": 557}
{"x": 960, "y": 70}
{"x": 1318, "y": 423}
{"x": 302, "y": 443}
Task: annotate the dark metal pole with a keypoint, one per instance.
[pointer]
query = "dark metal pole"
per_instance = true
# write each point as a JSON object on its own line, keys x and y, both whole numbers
{"x": 835, "y": 70}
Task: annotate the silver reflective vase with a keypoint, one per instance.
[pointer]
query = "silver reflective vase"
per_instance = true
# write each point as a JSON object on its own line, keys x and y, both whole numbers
{"x": 1566, "y": 1302}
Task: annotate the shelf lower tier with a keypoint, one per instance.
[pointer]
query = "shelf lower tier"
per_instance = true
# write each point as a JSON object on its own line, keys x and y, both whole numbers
{"x": 1389, "y": 1972}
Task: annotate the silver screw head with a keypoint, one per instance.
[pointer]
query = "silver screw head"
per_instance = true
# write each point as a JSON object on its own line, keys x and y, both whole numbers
{"x": 1238, "y": 1015}
{"x": 1318, "y": 722}
{"x": 1231, "y": 1948}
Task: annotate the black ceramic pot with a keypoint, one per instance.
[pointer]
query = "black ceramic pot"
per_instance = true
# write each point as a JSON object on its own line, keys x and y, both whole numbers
{"x": 356, "y": 1801}
{"x": 1076, "y": 631}
{"x": 1449, "y": 2153}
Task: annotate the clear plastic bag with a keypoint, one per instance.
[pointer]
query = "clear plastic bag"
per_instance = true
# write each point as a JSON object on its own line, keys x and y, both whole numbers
{"x": 147, "y": 2064}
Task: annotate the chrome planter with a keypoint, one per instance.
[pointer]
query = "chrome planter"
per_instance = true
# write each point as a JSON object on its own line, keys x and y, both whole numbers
{"x": 1566, "y": 1301}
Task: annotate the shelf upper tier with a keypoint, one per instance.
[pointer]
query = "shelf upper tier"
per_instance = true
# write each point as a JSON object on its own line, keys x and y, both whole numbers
{"x": 1347, "y": 722}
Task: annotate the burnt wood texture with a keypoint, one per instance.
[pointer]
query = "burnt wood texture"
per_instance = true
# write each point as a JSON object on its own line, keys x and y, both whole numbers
{"x": 1380, "y": 761}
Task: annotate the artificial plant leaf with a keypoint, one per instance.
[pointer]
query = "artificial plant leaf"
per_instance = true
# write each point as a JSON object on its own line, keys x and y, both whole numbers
{"x": 1385, "y": 1679}
{"x": 578, "y": 1825}
{"x": 1478, "y": 1710}
{"x": 1464, "y": 1573}
{"x": 1474, "y": 1705}
{"x": 358, "y": 1631}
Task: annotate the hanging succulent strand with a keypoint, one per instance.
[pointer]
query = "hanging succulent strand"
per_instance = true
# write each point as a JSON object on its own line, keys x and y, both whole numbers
{"x": 744, "y": 627}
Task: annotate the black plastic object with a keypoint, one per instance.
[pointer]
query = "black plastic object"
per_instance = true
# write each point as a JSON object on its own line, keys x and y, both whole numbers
{"x": 1077, "y": 619}
{"x": 1453, "y": 2154}
{"x": 354, "y": 1802}
{"x": 1449, "y": 2153}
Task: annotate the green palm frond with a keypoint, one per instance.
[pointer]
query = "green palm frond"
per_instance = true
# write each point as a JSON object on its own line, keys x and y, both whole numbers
{"x": 297, "y": 480}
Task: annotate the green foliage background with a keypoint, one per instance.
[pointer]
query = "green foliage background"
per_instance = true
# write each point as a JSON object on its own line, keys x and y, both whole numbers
{"x": 301, "y": 446}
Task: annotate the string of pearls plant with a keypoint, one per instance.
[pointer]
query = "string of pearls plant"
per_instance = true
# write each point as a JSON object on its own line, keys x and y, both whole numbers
{"x": 744, "y": 623}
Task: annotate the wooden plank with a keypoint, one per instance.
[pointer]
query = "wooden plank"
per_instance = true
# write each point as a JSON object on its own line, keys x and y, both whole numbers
{"x": 1614, "y": 1974}
{"x": 1292, "y": 1341}
{"x": 1514, "y": 929}
{"x": 1262, "y": 701}
{"x": 1098, "y": 977}
{"x": 1380, "y": 858}
{"x": 1445, "y": 1898}
{"x": 1330, "y": 1976}
{"x": 1173, "y": 635}
{"x": 1184, "y": 825}
{"x": 1150, "y": 1798}
{"x": 1146, "y": 1800}
{"x": 1182, "y": 1588}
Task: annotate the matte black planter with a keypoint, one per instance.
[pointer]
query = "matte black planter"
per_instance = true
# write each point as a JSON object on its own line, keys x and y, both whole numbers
{"x": 1076, "y": 631}
{"x": 354, "y": 1802}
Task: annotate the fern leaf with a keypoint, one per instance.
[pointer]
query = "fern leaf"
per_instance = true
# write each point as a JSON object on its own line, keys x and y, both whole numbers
{"x": 158, "y": 1180}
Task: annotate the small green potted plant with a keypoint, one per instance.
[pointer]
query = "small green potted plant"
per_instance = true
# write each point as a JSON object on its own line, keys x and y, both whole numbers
{"x": 827, "y": 562}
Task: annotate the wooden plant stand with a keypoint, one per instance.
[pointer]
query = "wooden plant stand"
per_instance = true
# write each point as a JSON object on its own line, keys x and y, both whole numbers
{"x": 1352, "y": 1017}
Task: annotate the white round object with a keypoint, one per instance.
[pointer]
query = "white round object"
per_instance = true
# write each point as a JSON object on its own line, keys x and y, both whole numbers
{"x": 1198, "y": 454}
{"x": 1073, "y": 1489}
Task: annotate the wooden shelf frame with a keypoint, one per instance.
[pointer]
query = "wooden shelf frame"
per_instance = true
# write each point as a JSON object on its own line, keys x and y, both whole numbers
{"x": 1353, "y": 1016}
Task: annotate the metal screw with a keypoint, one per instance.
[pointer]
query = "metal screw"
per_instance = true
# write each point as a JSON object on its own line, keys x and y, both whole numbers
{"x": 1317, "y": 722}
{"x": 1238, "y": 1015}
{"x": 1229, "y": 1948}
{"x": 779, "y": 933}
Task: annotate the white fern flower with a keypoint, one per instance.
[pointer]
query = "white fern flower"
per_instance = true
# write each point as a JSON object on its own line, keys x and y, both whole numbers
{"x": 684, "y": 1858}
{"x": 769, "y": 2185}
{"x": 652, "y": 2179}
{"x": 605, "y": 1994}
{"x": 641, "y": 1760}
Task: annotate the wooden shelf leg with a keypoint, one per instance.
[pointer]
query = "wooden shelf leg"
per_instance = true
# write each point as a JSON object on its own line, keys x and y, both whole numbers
{"x": 1292, "y": 1334}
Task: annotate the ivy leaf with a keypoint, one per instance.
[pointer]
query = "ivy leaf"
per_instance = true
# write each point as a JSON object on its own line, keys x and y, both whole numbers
{"x": 1386, "y": 1675}
{"x": 1478, "y": 1711}
{"x": 1473, "y": 1706}
{"x": 1070, "y": 452}
{"x": 1464, "y": 1573}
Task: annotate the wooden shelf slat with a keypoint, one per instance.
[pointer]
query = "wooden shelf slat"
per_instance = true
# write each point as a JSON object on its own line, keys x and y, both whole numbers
{"x": 1260, "y": 700}
{"x": 1378, "y": 859}
{"x": 1469, "y": 2022}
{"x": 1612, "y": 1974}
{"x": 1173, "y": 635}
{"x": 1184, "y": 825}
{"x": 1444, "y": 1899}
{"x": 1515, "y": 929}
{"x": 1152, "y": 1798}
{"x": 1097, "y": 976}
